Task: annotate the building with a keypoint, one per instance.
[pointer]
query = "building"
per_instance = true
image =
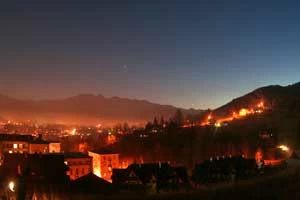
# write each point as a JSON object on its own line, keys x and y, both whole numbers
{"x": 15, "y": 143}
{"x": 125, "y": 176}
{"x": 79, "y": 164}
{"x": 104, "y": 161}
{"x": 91, "y": 184}
{"x": 37, "y": 167}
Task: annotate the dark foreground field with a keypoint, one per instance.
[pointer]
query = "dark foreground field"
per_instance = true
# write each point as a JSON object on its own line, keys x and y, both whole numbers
{"x": 282, "y": 185}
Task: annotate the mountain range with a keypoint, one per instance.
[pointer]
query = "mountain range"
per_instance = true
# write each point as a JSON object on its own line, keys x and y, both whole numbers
{"x": 92, "y": 109}
{"x": 86, "y": 109}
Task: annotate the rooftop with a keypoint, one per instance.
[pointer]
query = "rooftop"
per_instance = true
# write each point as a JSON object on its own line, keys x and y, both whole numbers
{"x": 75, "y": 155}
{"x": 103, "y": 151}
{"x": 91, "y": 184}
{"x": 15, "y": 137}
{"x": 38, "y": 141}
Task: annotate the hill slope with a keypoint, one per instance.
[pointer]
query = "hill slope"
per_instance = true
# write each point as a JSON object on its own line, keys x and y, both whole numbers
{"x": 274, "y": 97}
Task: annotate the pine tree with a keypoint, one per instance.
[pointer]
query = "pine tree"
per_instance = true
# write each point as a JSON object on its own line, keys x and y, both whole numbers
{"x": 178, "y": 117}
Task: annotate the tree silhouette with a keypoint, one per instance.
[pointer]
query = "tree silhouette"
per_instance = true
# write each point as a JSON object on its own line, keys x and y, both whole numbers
{"x": 162, "y": 120}
{"x": 298, "y": 135}
{"x": 178, "y": 117}
{"x": 155, "y": 122}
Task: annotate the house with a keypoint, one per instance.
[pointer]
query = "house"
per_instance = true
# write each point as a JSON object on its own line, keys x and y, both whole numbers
{"x": 79, "y": 164}
{"x": 38, "y": 167}
{"x": 156, "y": 176}
{"x": 13, "y": 143}
{"x": 91, "y": 184}
{"x": 125, "y": 176}
{"x": 34, "y": 174}
{"x": 104, "y": 161}
{"x": 149, "y": 171}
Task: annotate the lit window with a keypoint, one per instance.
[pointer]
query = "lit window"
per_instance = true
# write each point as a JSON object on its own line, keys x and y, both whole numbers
{"x": 21, "y": 146}
{"x": 10, "y": 151}
{"x": 15, "y": 146}
{"x": 66, "y": 162}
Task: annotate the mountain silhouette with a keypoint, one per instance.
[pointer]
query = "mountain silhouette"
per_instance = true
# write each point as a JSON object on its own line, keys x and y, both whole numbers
{"x": 275, "y": 97}
{"x": 86, "y": 109}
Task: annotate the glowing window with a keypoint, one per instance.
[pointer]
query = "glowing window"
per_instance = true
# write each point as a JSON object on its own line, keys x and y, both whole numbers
{"x": 10, "y": 151}
{"x": 15, "y": 146}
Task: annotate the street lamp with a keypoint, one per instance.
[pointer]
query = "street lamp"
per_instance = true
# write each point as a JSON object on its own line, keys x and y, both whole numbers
{"x": 11, "y": 186}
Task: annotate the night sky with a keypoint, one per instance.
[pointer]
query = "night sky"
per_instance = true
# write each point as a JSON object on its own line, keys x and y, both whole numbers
{"x": 186, "y": 53}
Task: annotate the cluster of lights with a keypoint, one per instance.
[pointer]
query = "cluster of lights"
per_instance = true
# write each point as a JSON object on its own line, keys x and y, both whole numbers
{"x": 243, "y": 112}
{"x": 217, "y": 124}
{"x": 284, "y": 148}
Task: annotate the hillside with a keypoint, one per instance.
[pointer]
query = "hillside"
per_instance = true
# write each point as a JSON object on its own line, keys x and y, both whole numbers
{"x": 86, "y": 109}
{"x": 278, "y": 98}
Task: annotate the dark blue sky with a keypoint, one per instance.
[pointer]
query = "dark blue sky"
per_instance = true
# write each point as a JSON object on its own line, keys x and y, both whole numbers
{"x": 186, "y": 53}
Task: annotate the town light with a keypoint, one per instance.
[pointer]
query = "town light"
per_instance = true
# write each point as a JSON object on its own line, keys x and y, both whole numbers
{"x": 243, "y": 112}
{"x": 209, "y": 117}
{"x": 73, "y": 132}
{"x": 283, "y": 148}
{"x": 11, "y": 186}
{"x": 261, "y": 104}
{"x": 217, "y": 124}
{"x": 97, "y": 172}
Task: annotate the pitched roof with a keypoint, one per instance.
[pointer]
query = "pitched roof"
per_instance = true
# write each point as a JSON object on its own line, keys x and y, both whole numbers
{"x": 91, "y": 183}
{"x": 123, "y": 176}
{"x": 147, "y": 171}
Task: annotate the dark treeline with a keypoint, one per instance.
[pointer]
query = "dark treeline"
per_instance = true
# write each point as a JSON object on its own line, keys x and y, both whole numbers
{"x": 163, "y": 140}
{"x": 167, "y": 141}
